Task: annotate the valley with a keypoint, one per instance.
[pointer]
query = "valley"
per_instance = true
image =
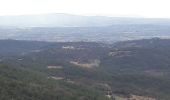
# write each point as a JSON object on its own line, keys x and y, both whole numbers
{"x": 106, "y": 34}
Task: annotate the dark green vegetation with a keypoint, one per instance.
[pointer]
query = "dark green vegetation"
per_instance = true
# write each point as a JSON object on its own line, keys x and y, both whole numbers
{"x": 84, "y": 70}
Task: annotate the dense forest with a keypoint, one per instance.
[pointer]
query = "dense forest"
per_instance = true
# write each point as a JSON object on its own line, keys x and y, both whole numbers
{"x": 31, "y": 70}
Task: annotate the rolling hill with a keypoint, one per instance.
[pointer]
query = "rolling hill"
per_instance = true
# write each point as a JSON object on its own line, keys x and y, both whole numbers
{"x": 33, "y": 70}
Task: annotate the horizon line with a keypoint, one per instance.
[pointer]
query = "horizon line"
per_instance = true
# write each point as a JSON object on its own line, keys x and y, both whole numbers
{"x": 89, "y": 15}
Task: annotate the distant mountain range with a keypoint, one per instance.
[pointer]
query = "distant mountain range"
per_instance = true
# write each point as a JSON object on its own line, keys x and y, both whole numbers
{"x": 67, "y": 20}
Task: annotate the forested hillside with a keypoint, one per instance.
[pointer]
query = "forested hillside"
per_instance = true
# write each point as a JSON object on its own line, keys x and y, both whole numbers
{"x": 31, "y": 70}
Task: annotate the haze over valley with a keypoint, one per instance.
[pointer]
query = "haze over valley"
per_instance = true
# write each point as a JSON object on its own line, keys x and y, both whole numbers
{"x": 84, "y": 50}
{"x": 65, "y": 27}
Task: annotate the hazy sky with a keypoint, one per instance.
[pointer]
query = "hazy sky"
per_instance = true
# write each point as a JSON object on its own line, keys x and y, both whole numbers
{"x": 142, "y": 8}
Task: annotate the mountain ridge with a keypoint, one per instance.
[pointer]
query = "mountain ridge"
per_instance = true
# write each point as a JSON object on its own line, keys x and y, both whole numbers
{"x": 69, "y": 20}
